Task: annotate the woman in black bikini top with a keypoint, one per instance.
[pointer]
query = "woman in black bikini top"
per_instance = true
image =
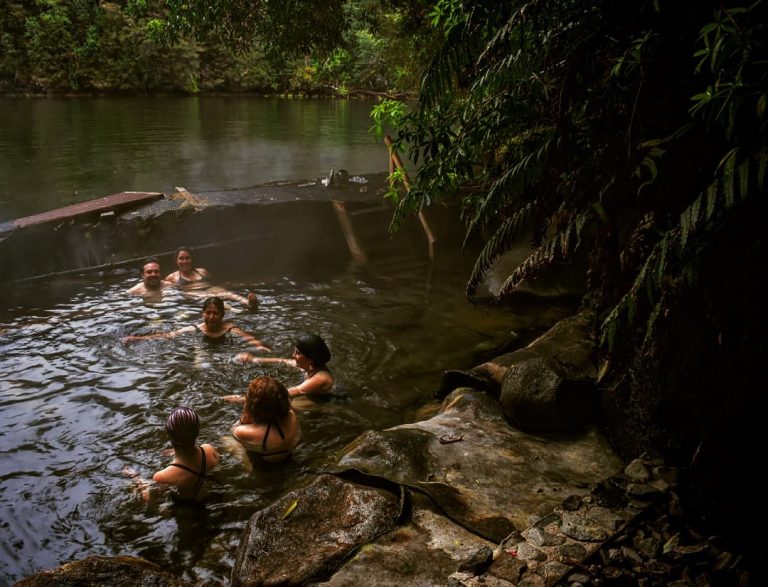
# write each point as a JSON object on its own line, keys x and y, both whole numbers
{"x": 191, "y": 464}
{"x": 268, "y": 428}
{"x": 187, "y": 274}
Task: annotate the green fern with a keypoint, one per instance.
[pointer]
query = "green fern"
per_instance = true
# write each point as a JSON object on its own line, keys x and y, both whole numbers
{"x": 508, "y": 233}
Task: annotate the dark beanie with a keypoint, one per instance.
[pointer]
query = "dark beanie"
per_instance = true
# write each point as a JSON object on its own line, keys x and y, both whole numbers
{"x": 314, "y": 347}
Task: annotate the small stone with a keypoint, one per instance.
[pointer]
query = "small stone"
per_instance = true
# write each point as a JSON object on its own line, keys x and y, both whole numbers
{"x": 579, "y": 578}
{"x": 579, "y": 527}
{"x": 528, "y": 552}
{"x": 612, "y": 573}
{"x": 508, "y": 568}
{"x": 532, "y": 580}
{"x": 612, "y": 556}
{"x": 572, "y": 552}
{"x": 571, "y": 503}
{"x": 631, "y": 556}
{"x": 540, "y": 537}
{"x": 643, "y": 491}
{"x": 637, "y": 471}
{"x": 669, "y": 474}
{"x": 648, "y": 545}
{"x": 690, "y": 550}
{"x": 605, "y": 517}
{"x": 478, "y": 561}
{"x": 555, "y": 570}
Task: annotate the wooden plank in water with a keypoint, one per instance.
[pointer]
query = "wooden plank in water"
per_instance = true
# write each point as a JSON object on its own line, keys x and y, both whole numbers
{"x": 105, "y": 204}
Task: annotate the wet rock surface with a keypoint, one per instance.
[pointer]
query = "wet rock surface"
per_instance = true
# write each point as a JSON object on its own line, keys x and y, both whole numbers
{"x": 309, "y": 532}
{"x": 548, "y": 386}
{"x": 645, "y": 542}
{"x": 97, "y": 571}
{"x": 482, "y": 473}
{"x": 464, "y": 499}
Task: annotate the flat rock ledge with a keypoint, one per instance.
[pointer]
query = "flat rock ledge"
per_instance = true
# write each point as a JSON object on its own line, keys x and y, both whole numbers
{"x": 97, "y": 571}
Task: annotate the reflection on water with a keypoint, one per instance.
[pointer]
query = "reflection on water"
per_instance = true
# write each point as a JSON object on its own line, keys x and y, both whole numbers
{"x": 59, "y": 151}
{"x": 77, "y": 405}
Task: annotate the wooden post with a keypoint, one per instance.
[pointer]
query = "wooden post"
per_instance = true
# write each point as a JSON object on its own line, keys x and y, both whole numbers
{"x": 395, "y": 161}
{"x": 353, "y": 242}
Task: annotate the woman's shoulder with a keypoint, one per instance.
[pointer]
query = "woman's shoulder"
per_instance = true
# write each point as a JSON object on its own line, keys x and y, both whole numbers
{"x": 211, "y": 454}
{"x": 172, "y": 277}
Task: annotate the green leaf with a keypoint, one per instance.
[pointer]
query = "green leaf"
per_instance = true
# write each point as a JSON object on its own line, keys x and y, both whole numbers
{"x": 289, "y": 509}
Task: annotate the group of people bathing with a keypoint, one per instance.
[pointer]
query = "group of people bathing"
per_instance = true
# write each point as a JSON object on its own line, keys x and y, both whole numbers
{"x": 268, "y": 427}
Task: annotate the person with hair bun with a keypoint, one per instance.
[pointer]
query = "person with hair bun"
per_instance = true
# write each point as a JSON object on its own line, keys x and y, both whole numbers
{"x": 186, "y": 476}
{"x": 311, "y": 355}
{"x": 268, "y": 428}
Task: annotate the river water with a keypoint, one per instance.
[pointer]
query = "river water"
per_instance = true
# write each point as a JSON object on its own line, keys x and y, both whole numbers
{"x": 77, "y": 405}
{"x": 59, "y": 151}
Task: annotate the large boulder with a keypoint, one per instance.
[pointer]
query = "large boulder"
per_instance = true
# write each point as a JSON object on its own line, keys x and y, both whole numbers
{"x": 548, "y": 386}
{"x": 423, "y": 551}
{"x": 97, "y": 571}
{"x": 308, "y": 533}
{"x": 483, "y": 474}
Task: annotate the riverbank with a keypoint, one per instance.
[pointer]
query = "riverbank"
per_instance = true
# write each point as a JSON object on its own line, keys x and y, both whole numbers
{"x": 464, "y": 499}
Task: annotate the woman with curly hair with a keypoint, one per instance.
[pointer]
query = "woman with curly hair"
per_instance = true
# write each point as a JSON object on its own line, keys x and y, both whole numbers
{"x": 268, "y": 428}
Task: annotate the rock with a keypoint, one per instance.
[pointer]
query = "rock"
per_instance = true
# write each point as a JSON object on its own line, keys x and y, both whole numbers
{"x": 308, "y": 533}
{"x": 549, "y": 385}
{"x": 577, "y": 526}
{"x": 605, "y": 517}
{"x": 644, "y": 491}
{"x": 97, "y": 571}
{"x": 492, "y": 481}
{"x": 637, "y": 471}
{"x": 571, "y": 503}
{"x": 507, "y": 567}
{"x": 540, "y": 537}
{"x": 572, "y": 552}
{"x": 478, "y": 561}
{"x": 528, "y": 552}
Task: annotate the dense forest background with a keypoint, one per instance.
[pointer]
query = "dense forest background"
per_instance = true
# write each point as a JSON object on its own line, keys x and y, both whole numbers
{"x": 629, "y": 139}
{"x": 87, "y": 46}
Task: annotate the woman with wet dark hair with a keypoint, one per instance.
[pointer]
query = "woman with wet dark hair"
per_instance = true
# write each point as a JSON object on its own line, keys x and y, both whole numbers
{"x": 311, "y": 355}
{"x": 268, "y": 428}
{"x": 213, "y": 327}
{"x": 196, "y": 281}
{"x": 186, "y": 475}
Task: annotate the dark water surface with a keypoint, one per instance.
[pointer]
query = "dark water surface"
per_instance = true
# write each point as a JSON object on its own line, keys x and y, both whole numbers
{"x": 78, "y": 405}
{"x": 59, "y": 151}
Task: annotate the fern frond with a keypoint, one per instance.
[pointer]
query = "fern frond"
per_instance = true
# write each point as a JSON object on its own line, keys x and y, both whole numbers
{"x": 530, "y": 267}
{"x": 513, "y": 181}
{"x": 743, "y": 173}
{"x": 649, "y": 279}
{"x": 651, "y": 323}
{"x": 711, "y": 199}
{"x": 762, "y": 165}
{"x": 729, "y": 179}
{"x": 509, "y": 232}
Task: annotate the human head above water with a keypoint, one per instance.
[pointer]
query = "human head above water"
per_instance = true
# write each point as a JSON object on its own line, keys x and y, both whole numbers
{"x": 267, "y": 399}
{"x": 214, "y": 301}
{"x": 181, "y": 250}
{"x": 182, "y": 427}
{"x": 148, "y": 261}
{"x": 314, "y": 348}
